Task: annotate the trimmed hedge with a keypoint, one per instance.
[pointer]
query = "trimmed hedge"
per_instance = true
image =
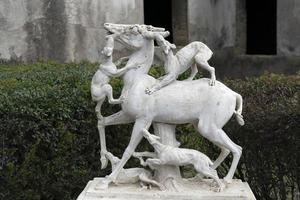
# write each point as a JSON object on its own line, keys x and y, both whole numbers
{"x": 50, "y": 145}
{"x": 270, "y": 137}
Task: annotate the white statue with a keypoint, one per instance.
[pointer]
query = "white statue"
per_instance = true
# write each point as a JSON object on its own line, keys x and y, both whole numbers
{"x": 207, "y": 107}
{"x": 132, "y": 175}
{"x": 168, "y": 155}
{"x": 193, "y": 55}
{"x": 107, "y": 69}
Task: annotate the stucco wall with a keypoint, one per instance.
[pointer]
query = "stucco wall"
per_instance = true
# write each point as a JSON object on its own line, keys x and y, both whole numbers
{"x": 63, "y": 30}
{"x": 288, "y": 27}
{"x": 212, "y": 22}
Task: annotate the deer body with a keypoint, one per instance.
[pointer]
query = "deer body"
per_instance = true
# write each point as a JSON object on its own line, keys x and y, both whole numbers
{"x": 207, "y": 108}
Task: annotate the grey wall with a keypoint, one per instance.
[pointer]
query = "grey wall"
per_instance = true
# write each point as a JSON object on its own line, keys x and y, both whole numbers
{"x": 222, "y": 25}
{"x": 63, "y": 30}
{"x": 288, "y": 27}
{"x": 180, "y": 22}
{"x": 212, "y": 22}
{"x": 71, "y": 30}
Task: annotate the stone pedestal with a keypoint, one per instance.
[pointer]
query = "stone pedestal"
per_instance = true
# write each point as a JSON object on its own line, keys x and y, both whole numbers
{"x": 191, "y": 190}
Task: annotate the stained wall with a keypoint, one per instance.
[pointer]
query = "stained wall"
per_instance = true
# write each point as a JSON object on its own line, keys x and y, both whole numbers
{"x": 62, "y": 30}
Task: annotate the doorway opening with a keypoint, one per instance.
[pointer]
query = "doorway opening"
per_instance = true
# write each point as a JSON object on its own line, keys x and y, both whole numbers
{"x": 159, "y": 15}
{"x": 261, "y": 27}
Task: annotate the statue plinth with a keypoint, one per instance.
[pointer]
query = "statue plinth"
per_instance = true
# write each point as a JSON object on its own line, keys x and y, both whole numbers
{"x": 191, "y": 190}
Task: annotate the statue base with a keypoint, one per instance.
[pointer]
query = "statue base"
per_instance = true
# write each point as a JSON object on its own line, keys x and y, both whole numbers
{"x": 190, "y": 189}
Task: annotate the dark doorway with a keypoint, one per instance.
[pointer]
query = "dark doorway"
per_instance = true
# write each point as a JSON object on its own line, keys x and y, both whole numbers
{"x": 261, "y": 27}
{"x": 159, "y": 13}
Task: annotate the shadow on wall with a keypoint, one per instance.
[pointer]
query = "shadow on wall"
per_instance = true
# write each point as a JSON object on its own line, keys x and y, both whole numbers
{"x": 46, "y": 37}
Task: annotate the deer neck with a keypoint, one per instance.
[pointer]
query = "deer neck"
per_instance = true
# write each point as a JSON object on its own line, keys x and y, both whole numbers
{"x": 143, "y": 57}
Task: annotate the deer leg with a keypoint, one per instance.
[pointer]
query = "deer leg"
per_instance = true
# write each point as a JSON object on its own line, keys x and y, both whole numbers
{"x": 224, "y": 153}
{"x": 101, "y": 131}
{"x": 135, "y": 139}
{"x": 204, "y": 64}
{"x": 117, "y": 118}
{"x": 219, "y": 138}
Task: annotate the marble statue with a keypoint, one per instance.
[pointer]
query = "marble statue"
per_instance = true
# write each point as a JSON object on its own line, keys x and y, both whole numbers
{"x": 99, "y": 86}
{"x": 193, "y": 55}
{"x": 165, "y": 102}
{"x": 168, "y": 155}
{"x": 132, "y": 175}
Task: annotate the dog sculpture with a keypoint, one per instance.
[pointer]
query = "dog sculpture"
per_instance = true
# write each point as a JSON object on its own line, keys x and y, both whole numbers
{"x": 168, "y": 155}
{"x": 132, "y": 175}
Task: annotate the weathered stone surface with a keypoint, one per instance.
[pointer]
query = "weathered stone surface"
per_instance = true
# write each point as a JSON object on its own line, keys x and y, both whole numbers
{"x": 193, "y": 190}
{"x": 62, "y": 30}
{"x": 71, "y": 30}
{"x": 85, "y": 21}
{"x": 212, "y": 22}
{"x": 13, "y": 14}
{"x": 288, "y": 30}
{"x": 178, "y": 103}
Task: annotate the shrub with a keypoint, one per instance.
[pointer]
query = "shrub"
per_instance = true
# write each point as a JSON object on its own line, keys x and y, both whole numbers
{"x": 50, "y": 145}
{"x": 270, "y": 160}
{"x": 270, "y": 137}
{"x": 50, "y": 142}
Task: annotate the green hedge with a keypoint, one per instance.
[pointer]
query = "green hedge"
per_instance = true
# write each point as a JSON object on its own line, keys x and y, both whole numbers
{"x": 50, "y": 146}
{"x": 270, "y": 138}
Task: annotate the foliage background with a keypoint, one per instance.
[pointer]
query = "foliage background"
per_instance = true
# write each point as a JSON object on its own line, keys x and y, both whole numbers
{"x": 50, "y": 146}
